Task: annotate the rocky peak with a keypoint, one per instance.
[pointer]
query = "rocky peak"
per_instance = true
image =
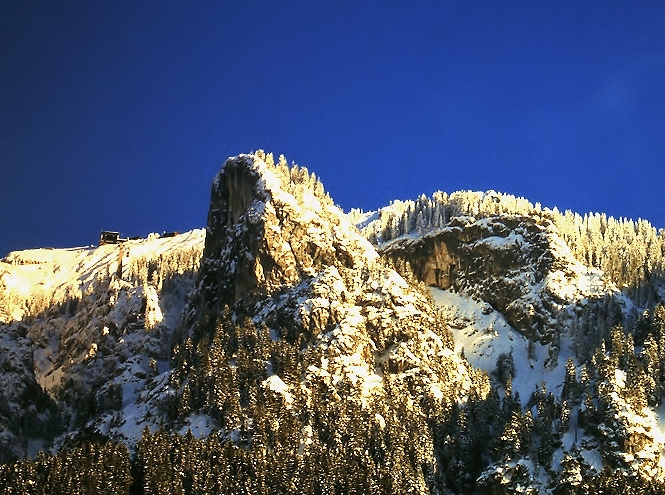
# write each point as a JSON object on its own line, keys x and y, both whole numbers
{"x": 281, "y": 255}
{"x": 270, "y": 227}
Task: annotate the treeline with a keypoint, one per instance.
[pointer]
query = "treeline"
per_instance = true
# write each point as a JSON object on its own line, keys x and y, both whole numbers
{"x": 89, "y": 469}
{"x": 295, "y": 180}
{"x": 306, "y": 435}
{"x": 630, "y": 252}
{"x": 330, "y": 443}
{"x": 162, "y": 269}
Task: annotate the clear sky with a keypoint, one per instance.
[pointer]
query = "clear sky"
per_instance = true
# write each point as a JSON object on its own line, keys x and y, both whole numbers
{"x": 117, "y": 114}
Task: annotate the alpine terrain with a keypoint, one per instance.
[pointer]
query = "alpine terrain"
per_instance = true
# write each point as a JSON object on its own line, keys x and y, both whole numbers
{"x": 459, "y": 343}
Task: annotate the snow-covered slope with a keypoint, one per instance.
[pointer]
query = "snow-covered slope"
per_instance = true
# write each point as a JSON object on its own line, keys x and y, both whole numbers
{"x": 518, "y": 265}
{"x": 522, "y": 308}
{"x": 482, "y": 334}
{"x": 84, "y": 329}
{"x": 445, "y": 345}
{"x": 34, "y": 280}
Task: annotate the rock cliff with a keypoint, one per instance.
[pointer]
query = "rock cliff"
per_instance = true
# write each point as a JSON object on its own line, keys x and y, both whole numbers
{"x": 281, "y": 255}
{"x": 517, "y": 264}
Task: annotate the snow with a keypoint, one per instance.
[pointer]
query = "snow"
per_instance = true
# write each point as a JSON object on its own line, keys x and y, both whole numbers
{"x": 658, "y": 432}
{"x": 201, "y": 425}
{"x": 39, "y": 278}
{"x": 153, "y": 312}
{"x": 362, "y": 219}
{"x": 277, "y": 385}
{"x": 511, "y": 241}
{"x": 109, "y": 334}
{"x": 569, "y": 279}
{"x": 483, "y": 334}
{"x": 56, "y": 275}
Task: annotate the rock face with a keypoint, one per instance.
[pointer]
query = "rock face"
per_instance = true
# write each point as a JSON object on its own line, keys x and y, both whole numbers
{"x": 468, "y": 250}
{"x": 280, "y": 254}
{"x": 304, "y": 326}
{"x": 303, "y": 358}
{"x": 271, "y": 228}
{"x": 517, "y": 264}
{"x": 500, "y": 260}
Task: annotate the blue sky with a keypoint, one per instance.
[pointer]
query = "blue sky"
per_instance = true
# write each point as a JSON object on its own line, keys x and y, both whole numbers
{"x": 116, "y": 115}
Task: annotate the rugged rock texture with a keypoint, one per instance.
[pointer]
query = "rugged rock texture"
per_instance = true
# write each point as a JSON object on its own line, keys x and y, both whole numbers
{"x": 280, "y": 254}
{"x": 499, "y": 259}
{"x": 269, "y": 228}
{"x": 274, "y": 237}
{"x": 296, "y": 308}
{"x": 305, "y": 363}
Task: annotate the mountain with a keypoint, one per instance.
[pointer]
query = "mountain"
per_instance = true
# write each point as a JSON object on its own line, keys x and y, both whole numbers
{"x": 462, "y": 343}
{"x": 83, "y": 330}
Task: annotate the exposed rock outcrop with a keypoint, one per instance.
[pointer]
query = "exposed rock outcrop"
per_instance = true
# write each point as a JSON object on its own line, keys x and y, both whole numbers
{"x": 270, "y": 229}
{"x": 501, "y": 260}
{"x": 519, "y": 265}
{"x": 279, "y": 253}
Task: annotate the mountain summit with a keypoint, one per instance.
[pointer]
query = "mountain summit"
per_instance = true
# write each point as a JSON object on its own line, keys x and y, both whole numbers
{"x": 270, "y": 228}
{"x": 463, "y": 343}
{"x": 328, "y": 318}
